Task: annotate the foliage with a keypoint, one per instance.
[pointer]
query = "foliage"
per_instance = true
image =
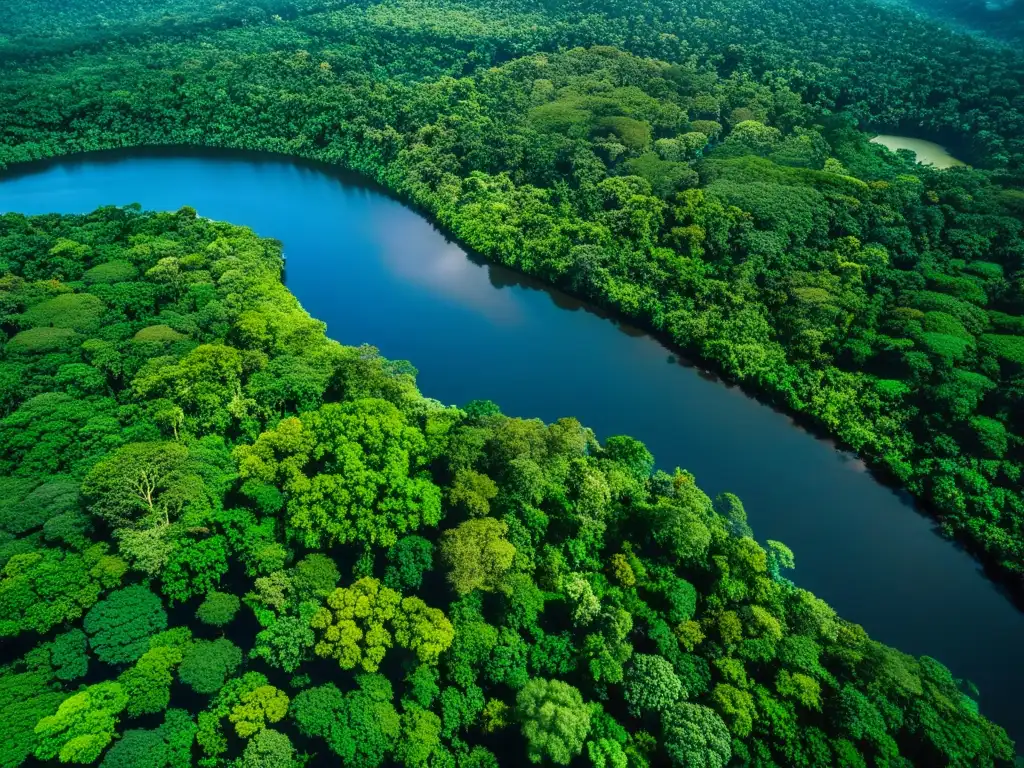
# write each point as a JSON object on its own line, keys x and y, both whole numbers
{"x": 571, "y": 602}
{"x": 408, "y": 560}
{"x": 695, "y": 736}
{"x": 651, "y": 685}
{"x": 140, "y": 484}
{"x": 285, "y": 644}
{"x": 47, "y": 587}
{"x": 119, "y": 627}
{"x": 361, "y": 622}
{"x": 218, "y": 609}
{"x": 355, "y": 495}
{"x": 26, "y": 697}
{"x": 360, "y": 727}
{"x": 207, "y": 664}
{"x": 477, "y": 554}
{"x": 148, "y": 683}
{"x": 167, "y": 746}
{"x": 256, "y": 708}
{"x": 82, "y": 726}
{"x": 555, "y": 720}
{"x": 268, "y": 749}
{"x": 238, "y": 701}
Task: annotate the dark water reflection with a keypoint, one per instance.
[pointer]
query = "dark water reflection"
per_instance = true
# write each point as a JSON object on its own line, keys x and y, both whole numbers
{"x": 376, "y": 272}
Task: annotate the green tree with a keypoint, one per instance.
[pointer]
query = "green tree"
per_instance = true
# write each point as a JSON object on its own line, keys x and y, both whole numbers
{"x": 78, "y": 311}
{"x": 194, "y": 567}
{"x": 408, "y": 560}
{"x": 472, "y": 492}
{"x": 120, "y": 626}
{"x": 354, "y": 626}
{"x": 422, "y": 685}
{"x": 630, "y": 453}
{"x": 555, "y": 720}
{"x": 148, "y": 683}
{"x": 28, "y": 505}
{"x": 361, "y": 727}
{"x": 26, "y": 697}
{"x": 681, "y": 530}
{"x": 694, "y": 735}
{"x": 799, "y": 687}
{"x": 268, "y": 749}
{"x": 420, "y": 741}
{"x": 207, "y": 664}
{"x": 204, "y": 384}
{"x": 82, "y": 726}
{"x": 755, "y": 136}
{"x": 54, "y": 433}
{"x": 586, "y": 606}
{"x": 47, "y": 587}
{"x": 218, "y": 609}
{"x": 423, "y": 630}
{"x": 651, "y": 685}
{"x": 605, "y": 753}
{"x": 69, "y": 656}
{"x": 256, "y": 708}
{"x": 351, "y": 472}
{"x": 167, "y": 746}
{"x": 142, "y": 484}
{"x": 211, "y": 736}
{"x": 477, "y": 554}
{"x": 361, "y": 622}
{"x": 737, "y": 708}
{"x": 314, "y": 577}
{"x": 285, "y": 644}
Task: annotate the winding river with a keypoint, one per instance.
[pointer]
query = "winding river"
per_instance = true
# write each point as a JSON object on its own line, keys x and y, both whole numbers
{"x": 377, "y": 272}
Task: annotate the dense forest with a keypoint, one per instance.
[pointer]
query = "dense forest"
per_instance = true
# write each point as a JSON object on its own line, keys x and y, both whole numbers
{"x": 699, "y": 169}
{"x": 230, "y": 541}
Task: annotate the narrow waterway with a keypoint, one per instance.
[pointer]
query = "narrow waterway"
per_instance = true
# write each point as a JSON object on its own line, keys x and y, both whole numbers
{"x": 377, "y": 272}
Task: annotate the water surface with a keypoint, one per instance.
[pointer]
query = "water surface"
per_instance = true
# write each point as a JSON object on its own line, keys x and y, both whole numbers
{"x": 928, "y": 152}
{"x": 377, "y": 272}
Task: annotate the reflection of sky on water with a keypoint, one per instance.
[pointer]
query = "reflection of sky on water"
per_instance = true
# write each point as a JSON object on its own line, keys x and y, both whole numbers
{"x": 411, "y": 252}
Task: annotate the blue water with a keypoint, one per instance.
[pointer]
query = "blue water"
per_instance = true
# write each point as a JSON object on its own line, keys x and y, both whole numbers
{"x": 377, "y": 272}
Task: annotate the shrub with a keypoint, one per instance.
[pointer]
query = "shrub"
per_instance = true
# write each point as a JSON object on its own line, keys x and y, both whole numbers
{"x": 111, "y": 272}
{"x": 160, "y": 334}
{"x": 78, "y": 311}
{"x": 38, "y": 340}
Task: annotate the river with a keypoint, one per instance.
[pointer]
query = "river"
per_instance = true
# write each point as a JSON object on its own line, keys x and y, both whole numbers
{"x": 377, "y": 272}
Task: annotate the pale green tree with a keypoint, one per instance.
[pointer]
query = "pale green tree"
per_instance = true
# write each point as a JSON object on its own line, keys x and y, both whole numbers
{"x": 555, "y": 720}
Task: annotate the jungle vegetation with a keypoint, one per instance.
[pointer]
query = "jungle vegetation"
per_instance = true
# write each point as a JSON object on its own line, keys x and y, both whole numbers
{"x": 226, "y": 540}
{"x": 698, "y": 168}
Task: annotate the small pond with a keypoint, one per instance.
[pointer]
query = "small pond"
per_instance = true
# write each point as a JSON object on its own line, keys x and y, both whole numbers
{"x": 928, "y": 152}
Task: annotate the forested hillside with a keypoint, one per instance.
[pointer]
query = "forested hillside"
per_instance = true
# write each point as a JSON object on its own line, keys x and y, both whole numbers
{"x": 226, "y": 539}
